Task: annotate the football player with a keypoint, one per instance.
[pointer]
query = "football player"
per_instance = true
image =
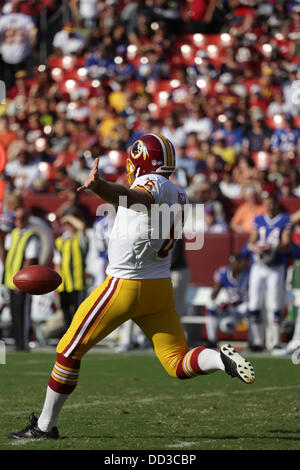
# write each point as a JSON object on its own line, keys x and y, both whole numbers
{"x": 233, "y": 278}
{"x": 137, "y": 287}
{"x": 269, "y": 246}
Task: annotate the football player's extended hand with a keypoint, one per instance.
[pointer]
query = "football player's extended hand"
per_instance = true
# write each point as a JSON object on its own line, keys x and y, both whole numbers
{"x": 93, "y": 178}
{"x": 265, "y": 248}
{"x": 259, "y": 249}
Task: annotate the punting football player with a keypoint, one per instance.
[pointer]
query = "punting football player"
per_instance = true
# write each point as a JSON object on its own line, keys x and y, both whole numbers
{"x": 269, "y": 246}
{"x": 137, "y": 287}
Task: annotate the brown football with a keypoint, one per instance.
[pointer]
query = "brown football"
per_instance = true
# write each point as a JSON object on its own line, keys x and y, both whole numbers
{"x": 37, "y": 280}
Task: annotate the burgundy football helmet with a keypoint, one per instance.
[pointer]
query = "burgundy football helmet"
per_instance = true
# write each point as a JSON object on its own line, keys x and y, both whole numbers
{"x": 151, "y": 153}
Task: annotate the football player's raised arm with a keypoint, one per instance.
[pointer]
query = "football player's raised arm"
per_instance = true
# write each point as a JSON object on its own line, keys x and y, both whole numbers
{"x": 112, "y": 192}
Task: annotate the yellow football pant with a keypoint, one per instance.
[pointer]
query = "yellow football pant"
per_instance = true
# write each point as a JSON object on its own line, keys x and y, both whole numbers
{"x": 148, "y": 302}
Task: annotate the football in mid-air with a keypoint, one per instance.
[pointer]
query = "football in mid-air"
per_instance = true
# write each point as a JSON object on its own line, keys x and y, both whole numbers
{"x": 37, "y": 280}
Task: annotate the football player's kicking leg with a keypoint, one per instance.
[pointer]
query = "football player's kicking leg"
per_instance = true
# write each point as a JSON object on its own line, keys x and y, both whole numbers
{"x": 166, "y": 334}
{"x": 107, "y": 307}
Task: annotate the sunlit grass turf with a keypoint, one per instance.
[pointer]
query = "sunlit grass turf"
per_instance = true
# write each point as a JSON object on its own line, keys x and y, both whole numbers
{"x": 127, "y": 401}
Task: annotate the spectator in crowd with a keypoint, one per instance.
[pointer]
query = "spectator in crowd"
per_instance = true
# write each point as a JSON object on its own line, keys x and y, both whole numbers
{"x": 203, "y": 18}
{"x": 67, "y": 41}
{"x": 233, "y": 132}
{"x": 71, "y": 204}
{"x": 79, "y": 170}
{"x": 9, "y": 203}
{"x": 172, "y": 129}
{"x": 70, "y": 261}
{"x": 185, "y": 162}
{"x": 277, "y": 106}
{"x": 287, "y": 139}
{"x": 243, "y": 218}
{"x": 222, "y": 149}
{"x": 211, "y": 223}
{"x": 197, "y": 122}
{"x": 22, "y": 247}
{"x": 60, "y": 139}
{"x": 289, "y": 89}
{"x": 228, "y": 187}
{"x": 7, "y": 136}
{"x": 86, "y": 9}
{"x": 18, "y": 35}
{"x": 24, "y": 170}
{"x": 21, "y": 87}
{"x": 258, "y": 136}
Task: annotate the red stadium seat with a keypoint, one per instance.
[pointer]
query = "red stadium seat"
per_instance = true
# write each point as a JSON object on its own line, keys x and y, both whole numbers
{"x": 275, "y": 122}
{"x": 297, "y": 121}
{"x": 79, "y": 74}
{"x": 54, "y": 62}
{"x": 65, "y": 62}
{"x": 67, "y": 86}
{"x": 57, "y": 74}
{"x": 261, "y": 159}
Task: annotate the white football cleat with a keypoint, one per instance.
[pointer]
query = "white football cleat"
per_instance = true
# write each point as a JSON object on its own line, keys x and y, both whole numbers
{"x": 236, "y": 365}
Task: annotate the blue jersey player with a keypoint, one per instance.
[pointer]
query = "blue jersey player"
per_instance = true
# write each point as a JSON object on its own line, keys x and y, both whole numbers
{"x": 233, "y": 280}
{"x": 269, "y": 247}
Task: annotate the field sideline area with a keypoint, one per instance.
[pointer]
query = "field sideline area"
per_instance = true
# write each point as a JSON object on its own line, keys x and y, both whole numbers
{"x": 127, "y": 402}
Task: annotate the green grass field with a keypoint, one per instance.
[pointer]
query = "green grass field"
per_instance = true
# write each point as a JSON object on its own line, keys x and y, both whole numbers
{"x": 127, "y": 402}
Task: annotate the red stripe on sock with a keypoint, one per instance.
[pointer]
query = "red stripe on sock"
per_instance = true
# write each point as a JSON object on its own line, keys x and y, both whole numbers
{"x": 194, "y": 361}
{"x": 64, "y": 388}
{"x": 180, "y": 372}
{"x": 58, "y": 387}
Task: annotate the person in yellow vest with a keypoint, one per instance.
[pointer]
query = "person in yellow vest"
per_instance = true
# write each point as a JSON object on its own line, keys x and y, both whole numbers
{"x": 22, "y": 246}
{"x": 69, "y": 260}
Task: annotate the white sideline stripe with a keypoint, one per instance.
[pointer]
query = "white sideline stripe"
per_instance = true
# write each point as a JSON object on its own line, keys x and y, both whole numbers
{"x": 182, "y": 444}
{"x": 22, "y": 442}
{"x": 165, "y": 398}
{"x": 94, "y": 313}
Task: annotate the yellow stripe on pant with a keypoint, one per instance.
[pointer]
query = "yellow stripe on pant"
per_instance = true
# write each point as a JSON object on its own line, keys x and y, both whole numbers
{"x": 149, "y": 302}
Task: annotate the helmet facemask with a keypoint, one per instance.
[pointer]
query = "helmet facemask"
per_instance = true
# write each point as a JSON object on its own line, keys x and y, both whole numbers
{"x": 132, "y": 171}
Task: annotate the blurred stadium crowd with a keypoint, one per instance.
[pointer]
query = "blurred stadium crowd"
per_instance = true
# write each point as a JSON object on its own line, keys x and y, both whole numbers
{"x": 221, "y": 79}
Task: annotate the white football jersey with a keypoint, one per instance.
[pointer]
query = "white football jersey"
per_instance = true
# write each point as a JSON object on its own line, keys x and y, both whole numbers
{"x": 141, "y": 241}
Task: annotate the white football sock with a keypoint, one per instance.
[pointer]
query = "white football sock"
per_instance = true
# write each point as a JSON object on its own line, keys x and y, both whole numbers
{"x": 53, "y": 404}
{"x": 257, "y": 333}
{"x": 276, "y": 334}
{"x": 210, "y": 361}
{"x": 211, "y": 328}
